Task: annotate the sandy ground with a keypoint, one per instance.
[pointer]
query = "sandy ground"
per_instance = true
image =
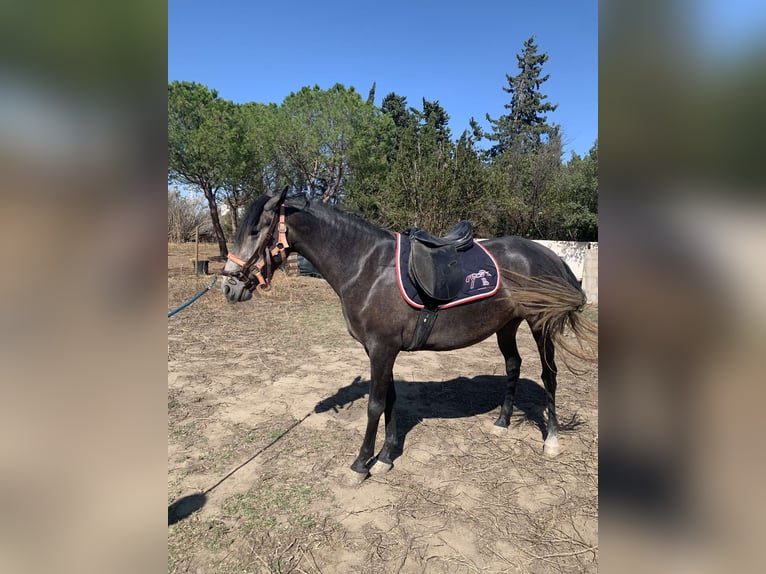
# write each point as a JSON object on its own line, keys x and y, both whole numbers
{"x": 267, "y": 409}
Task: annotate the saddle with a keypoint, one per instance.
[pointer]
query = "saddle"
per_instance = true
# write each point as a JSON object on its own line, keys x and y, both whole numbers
{"x": 434, "y": 263}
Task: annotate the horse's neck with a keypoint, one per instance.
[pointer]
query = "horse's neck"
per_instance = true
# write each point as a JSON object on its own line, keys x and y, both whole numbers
{"x": 335, "y": 246}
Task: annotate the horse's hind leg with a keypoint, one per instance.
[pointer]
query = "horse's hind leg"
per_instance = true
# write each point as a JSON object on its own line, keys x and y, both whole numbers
{"x": 546, "y": 350}
{"x": 506, "y": 340}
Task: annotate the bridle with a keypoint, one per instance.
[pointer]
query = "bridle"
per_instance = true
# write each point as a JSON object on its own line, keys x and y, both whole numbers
{"x": 262, "y": 258}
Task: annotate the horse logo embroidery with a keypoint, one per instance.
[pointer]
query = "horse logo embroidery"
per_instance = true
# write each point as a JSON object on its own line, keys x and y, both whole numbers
{"x": 482, "y": 274}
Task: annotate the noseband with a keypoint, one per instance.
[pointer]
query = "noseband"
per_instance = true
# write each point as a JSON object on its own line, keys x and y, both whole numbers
{"x": 251, "y": 272}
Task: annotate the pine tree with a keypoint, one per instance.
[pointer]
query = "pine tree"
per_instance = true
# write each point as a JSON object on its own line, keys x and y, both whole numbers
{"x": 435, "y": 119}
{"x": 526, "y": 126}
{"x": 197, "y": 153}
{"x": 396, "y": 106}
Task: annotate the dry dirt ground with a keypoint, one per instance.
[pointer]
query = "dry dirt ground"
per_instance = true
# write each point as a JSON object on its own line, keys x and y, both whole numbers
{"x": 267, "y": 409}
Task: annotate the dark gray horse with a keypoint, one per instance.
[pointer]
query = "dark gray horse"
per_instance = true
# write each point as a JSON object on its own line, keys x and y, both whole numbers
{"x": 357, "y": 260}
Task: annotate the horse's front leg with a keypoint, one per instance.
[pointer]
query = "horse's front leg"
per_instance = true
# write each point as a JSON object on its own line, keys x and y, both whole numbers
{"x": 383, "y": 462}
{"x": 382, "y": 398}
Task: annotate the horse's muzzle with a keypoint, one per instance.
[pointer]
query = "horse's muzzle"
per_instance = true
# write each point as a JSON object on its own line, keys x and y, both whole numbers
{"x": 234, "y": 290}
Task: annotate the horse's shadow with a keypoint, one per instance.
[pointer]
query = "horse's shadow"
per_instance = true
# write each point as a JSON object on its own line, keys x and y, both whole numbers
{"x": 456, "y": 398}
{"x": 185, "y": 507}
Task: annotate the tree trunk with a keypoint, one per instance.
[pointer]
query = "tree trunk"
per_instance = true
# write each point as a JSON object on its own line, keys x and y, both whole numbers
{"x": 234, "y": 222}
{"x": 213, "y": 206}
{"x": 233, "y": 214}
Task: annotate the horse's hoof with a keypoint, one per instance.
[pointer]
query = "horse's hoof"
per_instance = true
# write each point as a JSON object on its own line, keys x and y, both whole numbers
{"x": 380, "y": 468}
{"x": 355, "y": 478}
{"x": 551, "y": 447}
{"x": 499, "y": 431}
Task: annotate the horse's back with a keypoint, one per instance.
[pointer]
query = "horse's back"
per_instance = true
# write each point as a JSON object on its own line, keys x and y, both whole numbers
{"x": 527, "y": 257}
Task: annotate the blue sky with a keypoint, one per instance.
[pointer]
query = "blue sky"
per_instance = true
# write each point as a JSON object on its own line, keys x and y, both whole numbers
{"x": 456, "y": 52}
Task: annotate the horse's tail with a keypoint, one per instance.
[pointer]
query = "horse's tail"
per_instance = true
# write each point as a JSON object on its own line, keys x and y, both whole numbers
{"x": 553, "y": 304}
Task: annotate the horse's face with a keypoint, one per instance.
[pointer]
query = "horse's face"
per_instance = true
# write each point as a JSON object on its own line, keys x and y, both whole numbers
{"x": 250, "y": 235}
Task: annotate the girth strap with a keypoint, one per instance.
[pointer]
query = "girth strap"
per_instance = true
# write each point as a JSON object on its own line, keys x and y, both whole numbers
{"x": 425, "y": 323}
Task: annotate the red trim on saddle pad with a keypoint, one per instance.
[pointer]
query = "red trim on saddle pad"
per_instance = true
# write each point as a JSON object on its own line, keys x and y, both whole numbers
{"x": 479, "y": 266}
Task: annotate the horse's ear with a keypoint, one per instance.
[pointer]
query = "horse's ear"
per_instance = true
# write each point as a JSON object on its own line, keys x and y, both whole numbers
{"x": 276, "y": 200}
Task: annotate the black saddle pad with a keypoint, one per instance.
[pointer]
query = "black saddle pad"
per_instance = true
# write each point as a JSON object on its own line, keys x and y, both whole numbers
{"x": 479, "y": 269}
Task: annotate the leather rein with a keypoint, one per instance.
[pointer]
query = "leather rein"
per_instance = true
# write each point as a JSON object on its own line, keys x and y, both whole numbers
{"x": 258, "y": 270}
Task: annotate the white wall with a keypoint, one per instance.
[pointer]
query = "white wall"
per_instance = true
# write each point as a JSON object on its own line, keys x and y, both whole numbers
{"x": 590, "y": 274}
{"x": 582, "y": 258}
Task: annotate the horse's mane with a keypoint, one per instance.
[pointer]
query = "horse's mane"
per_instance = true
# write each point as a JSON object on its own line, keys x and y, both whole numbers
{"x": 250, "y": 219}
{"x": 339, "y": 216}
{"x": 330, "y": 214}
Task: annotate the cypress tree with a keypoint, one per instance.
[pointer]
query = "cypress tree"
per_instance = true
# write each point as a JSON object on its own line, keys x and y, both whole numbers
{"x": 525, "y": 127}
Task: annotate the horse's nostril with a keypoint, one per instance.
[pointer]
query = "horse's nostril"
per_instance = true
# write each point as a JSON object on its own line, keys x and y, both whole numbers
{"x": 226, "y": 290}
